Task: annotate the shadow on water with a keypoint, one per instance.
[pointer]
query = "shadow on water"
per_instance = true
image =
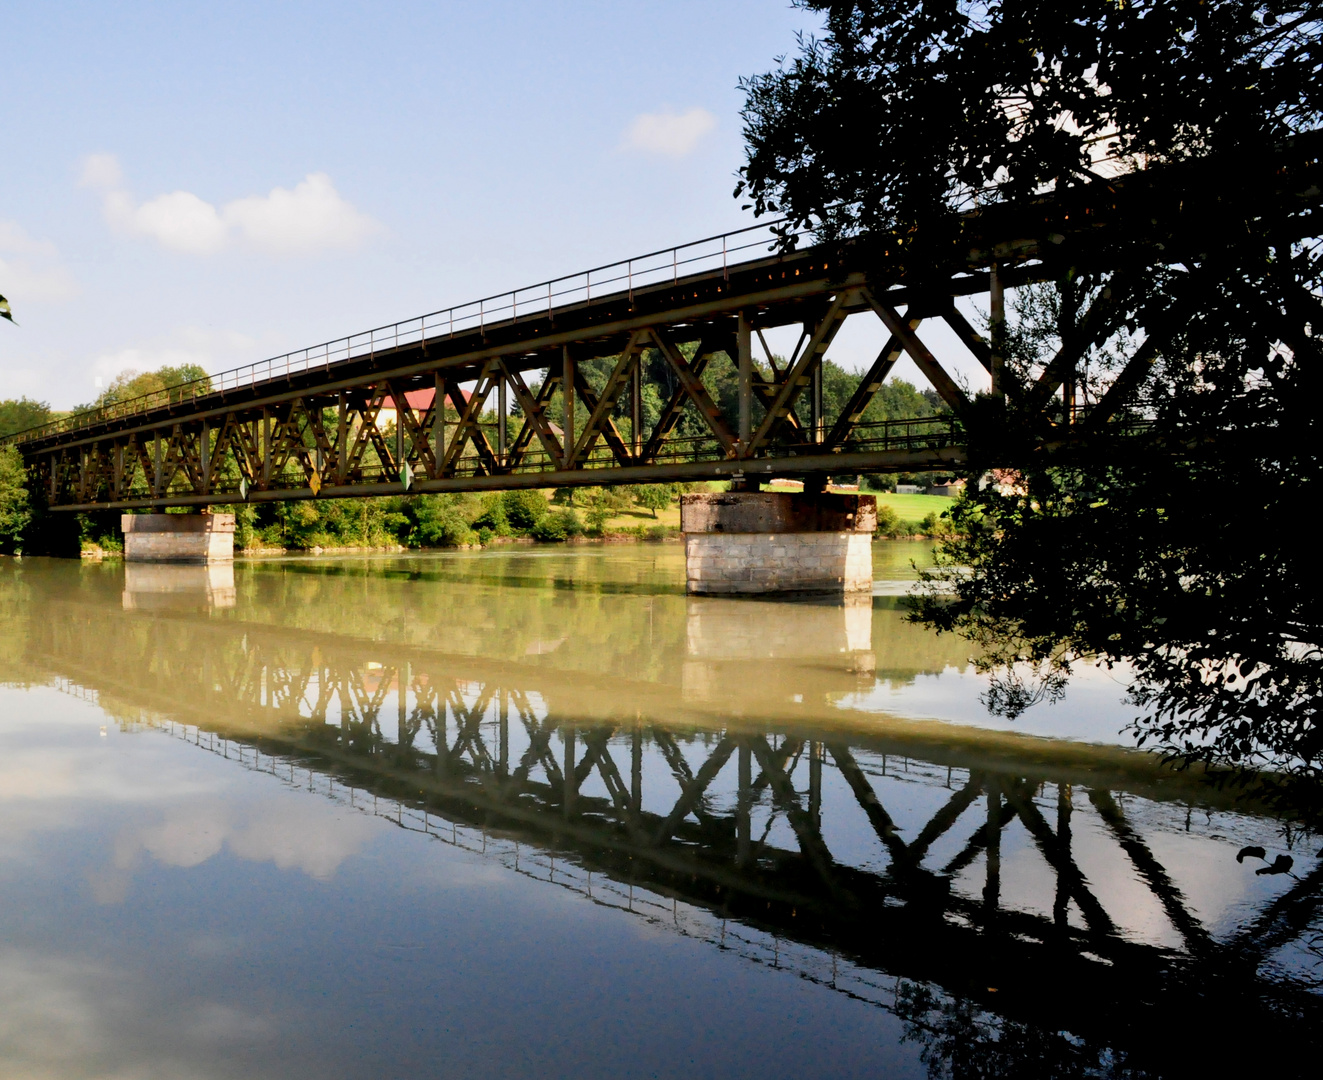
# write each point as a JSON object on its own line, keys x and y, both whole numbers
{"x": 1025, "y": 907}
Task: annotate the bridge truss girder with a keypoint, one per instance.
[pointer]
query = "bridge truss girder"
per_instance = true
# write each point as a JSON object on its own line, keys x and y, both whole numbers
{"x": 319, "y": 434}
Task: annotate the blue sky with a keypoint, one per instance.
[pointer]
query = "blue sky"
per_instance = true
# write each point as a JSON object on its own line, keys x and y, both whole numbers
{"x": 219, "y": 183}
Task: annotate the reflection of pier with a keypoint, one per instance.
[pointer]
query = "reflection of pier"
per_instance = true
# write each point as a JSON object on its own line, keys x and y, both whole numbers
{"x": 157, "y": 586}
{"x": 728, "y": 647}
{"x": 802, "y": 841}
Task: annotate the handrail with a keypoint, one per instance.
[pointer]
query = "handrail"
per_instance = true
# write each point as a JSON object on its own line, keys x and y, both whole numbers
{"x": 546, "y": 297}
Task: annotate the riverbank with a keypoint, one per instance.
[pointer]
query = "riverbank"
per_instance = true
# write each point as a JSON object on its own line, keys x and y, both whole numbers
{"x": 639, "y": 514}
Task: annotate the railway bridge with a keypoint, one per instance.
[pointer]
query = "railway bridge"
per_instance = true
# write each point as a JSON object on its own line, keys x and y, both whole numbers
{"x": 495, "y": 394}
{"x": 545, "y": 385}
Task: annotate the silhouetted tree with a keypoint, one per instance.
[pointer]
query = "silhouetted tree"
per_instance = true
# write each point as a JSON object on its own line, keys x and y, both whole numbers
{"x": 1184, "y": 554}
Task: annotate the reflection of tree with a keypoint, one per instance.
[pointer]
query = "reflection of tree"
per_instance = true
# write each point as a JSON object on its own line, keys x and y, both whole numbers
{"x": 962, "y": 1041}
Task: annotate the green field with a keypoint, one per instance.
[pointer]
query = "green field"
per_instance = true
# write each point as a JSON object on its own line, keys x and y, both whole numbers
{"x": 914, "y": 507}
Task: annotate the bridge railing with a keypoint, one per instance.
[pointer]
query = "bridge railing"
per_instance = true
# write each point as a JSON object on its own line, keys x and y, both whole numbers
{"x": 664, "y": 266}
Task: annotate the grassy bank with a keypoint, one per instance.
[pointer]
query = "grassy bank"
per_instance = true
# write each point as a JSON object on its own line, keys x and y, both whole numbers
{"x": 914, "y": 507}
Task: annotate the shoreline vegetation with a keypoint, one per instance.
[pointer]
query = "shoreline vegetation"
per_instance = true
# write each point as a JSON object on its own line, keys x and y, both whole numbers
{"x": 634, "y": 514}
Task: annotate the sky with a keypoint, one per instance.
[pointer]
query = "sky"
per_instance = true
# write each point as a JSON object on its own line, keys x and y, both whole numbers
{"x": 219, "y": 183}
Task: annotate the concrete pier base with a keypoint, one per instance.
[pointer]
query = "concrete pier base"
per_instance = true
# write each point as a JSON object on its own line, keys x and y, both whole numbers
{"x": 751, "y": 543}
{"x": 179, "y": 538}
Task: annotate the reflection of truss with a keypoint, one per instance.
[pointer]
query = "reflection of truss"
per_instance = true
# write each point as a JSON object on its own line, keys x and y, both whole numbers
{"x": 667, "y": 912}
{"x": 732, "y": 826}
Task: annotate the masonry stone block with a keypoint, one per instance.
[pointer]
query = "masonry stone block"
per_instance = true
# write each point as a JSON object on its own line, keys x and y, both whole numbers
{"x": 746, "y": 543}
{"x": 181, "y": 538}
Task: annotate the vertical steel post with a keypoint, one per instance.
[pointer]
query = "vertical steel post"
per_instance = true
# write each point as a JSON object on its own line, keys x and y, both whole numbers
{"x": 743, "y": 806}
{"x": 567, "y": 392}
{"x": 815, "y": 785}
{"x": 997, "y": 327}
{"x": 567, "y": 804}
{"x": 402, "y": 698}
{"x": 55, "y": 472}
{"x": 439, "y": 420}
{"x": 992, "y": 883}
{"x": 266, "y": 447}
{"x": 1061, "y": 904}
{"x": 500, "y": 417}
{"x": 156, "y": 463}
{"x": 341, "y": 436}
{"x": 815, "y": 404}
{"x": 204, "y": 457}
{"x": 399, "y": 432}
{"x": 636, "y": 408}
{"x": 636, "y": 771}
{"x": 744, "y": 337}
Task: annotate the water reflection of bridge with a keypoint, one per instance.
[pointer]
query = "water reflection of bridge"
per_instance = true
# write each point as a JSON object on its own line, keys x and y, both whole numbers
{"x": 858, "y": 857}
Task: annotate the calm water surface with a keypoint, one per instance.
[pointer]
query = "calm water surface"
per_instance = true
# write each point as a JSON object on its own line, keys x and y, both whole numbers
{"x": 534, "y": 812}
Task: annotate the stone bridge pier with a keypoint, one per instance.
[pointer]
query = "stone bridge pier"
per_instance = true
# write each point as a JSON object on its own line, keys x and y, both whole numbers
{"x": 179, "y": 538}
{"x": 761, "y": 542}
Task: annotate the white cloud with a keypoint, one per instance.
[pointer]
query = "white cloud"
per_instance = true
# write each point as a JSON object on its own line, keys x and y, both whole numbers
{"x": 107, "y": 365}
{"x": 294, "y": 835}
{"x": 179, "y": 221}
{"x": 210, "y": 349}
{"x": 64, "y": 1016}
{"x": 668, "y": 133}
{"x": 101, "y": 171}
{"x": 15, "y": 241}
{"x": 301, "y": 836}
{"x": 33, "y": 272}
{"x": 309, "y": 218}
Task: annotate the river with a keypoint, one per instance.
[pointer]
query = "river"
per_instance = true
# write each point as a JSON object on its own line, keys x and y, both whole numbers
{"x": 532, "y": 811}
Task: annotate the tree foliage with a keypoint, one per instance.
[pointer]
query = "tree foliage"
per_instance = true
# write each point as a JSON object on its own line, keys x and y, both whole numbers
{"x": 15, "y": 510}
{"x": 905, "y": 111}
{"x": 1174, "y": 544}
{"x": 19, "y": 414}
{"x": 172, "y": 382}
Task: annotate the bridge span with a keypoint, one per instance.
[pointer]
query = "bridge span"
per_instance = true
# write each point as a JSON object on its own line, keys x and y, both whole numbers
{"x": 499, "y": 393}
{"x": 495, "y": 394}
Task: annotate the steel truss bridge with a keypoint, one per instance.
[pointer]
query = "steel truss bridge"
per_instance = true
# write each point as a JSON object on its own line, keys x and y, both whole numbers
{"x": 310, "y": 423}
{"x": 776, "y": 843}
